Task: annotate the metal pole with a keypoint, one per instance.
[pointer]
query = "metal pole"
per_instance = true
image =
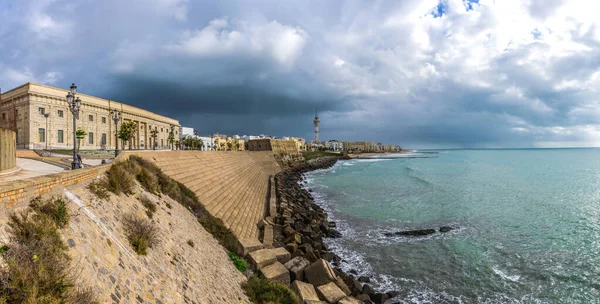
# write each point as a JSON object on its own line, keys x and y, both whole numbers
{"x": 75, "y": 164}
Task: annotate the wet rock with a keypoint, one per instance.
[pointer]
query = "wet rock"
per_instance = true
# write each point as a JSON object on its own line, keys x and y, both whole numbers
{"x": 392, "y": 294}
{"x": 446, "y": 228}
{"x": 364, "y": 279}
{"x": 336, "y": 234}
{"x": 418, "y": 232}
{"x": 367, "y": 289}
{"x": 378, "y": 298}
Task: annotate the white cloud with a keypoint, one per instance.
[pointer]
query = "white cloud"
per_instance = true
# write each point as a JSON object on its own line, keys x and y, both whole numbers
{"x": 281, "y": 43}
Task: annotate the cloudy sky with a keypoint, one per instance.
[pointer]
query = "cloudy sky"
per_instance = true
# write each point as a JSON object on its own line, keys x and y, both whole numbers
{"x": 418, "y": 73}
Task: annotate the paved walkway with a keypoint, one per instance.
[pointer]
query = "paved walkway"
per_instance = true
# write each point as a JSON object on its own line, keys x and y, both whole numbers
{"x": 30, "y": 168}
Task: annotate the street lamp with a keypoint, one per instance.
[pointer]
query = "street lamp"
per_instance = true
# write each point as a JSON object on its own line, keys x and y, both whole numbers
{"x": 172, "y": 137}
{"x": 74, "y": 105}
{"x": 46, "y": 131}
{"x": 116, "y": 116}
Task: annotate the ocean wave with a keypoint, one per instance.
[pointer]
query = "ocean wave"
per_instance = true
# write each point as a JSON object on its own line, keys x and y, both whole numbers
{"x": 512, "y": 278}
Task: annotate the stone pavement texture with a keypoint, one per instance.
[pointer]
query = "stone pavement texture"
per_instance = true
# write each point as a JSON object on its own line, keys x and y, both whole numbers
{"x": 172, "y": 272}
{"x": 30, "y": 168}
{"x": 233, "y": 186}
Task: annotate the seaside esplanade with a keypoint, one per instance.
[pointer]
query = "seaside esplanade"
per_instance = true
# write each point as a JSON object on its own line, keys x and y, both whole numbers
{"x": 38, "y": 113}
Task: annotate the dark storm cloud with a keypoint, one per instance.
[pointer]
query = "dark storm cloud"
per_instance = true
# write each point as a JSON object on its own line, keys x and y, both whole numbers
{"x": 486, "y": 74}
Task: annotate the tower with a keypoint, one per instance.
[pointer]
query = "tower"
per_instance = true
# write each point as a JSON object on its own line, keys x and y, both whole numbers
{"x": 316, "y": 123}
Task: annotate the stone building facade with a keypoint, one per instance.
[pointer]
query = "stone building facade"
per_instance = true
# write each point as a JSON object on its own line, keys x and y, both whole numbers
{"x": 39, "y": 113}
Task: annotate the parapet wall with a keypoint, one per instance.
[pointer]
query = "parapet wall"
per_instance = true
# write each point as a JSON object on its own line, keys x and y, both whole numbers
{"x": 17, "y": 194}
{"x": 8, "y": 152}
{"x": 233, "y": 186}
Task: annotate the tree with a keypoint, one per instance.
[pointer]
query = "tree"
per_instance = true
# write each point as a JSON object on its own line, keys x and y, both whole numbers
{"x": 229, "y": 145}
{"x": 127, "y": 131}
{"x": 154, "y": 135}
{"x": 222, "y": 146}
{"x": 171, "y": 138}
{"x": 200, "y": 144}
{"x": 237, "y": 145}
{"x": 177, "y": 144}
{"x": 79, "y": 134}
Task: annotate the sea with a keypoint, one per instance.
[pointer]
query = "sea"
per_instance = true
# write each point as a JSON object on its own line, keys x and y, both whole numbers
{"x": 527, "y": 224}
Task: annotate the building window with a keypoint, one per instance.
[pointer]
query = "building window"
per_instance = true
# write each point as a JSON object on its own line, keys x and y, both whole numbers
{"x": 161, "y": 130}
{"x": 60, "y": 113}
{"x": 103, "y": 119}
{"x": 91, "y": 117}
{"x": 3, "y": 116}
{"x": 42, "y": 135}
{"x": 91, "y": 138}
{"x": 103, "y": 139}
{"x": 41, "y": 111}
{"x": 60, "y": 136}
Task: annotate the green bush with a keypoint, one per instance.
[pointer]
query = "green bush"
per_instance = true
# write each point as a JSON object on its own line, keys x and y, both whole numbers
{"x": 99, "y": 188}
{"x": 55, "y": 209}
{"x": 37, "y": 266}
{"x": 239, "y": 263}
{"x": 263, "y": 291}
{"x": 141, "y": 233}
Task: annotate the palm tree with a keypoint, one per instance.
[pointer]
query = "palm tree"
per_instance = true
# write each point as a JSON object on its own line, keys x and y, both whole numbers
{"x": 79, "y": 134}
{"x": 222, "y": 146}
{"x": 237, "y": 145}
{"x": 154, "y": 135}
{"x": 229, "y": 146}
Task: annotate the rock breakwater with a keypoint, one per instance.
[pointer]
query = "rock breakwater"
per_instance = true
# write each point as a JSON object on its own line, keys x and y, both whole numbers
{"x": 301, "y": 227}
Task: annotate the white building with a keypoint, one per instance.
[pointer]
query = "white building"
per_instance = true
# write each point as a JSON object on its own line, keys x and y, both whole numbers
{"x": 334, "y": 145}
{"x": 208, "y": 142}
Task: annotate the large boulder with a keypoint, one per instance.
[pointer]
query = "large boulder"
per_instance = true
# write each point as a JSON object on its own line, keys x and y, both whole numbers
{"x": 306, "y": 292}
{"x": 296, "y": 267}
{"x": 330, "y": 293}
{"x": 418, "y": 232}
{"x": 276, "y": 272}
{"x": 319, "y": 273}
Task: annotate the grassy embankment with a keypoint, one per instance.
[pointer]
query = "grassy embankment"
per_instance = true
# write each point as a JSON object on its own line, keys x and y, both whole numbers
{"x": 37, "y": 267}
{"x": 121, "y": 178}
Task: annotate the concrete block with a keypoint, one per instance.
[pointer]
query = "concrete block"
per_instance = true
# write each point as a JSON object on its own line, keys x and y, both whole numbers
{"x": 330, "y": 293}
{"x": 283, "y": 256}
{"x": 349, "y": 300}
{"x": 263, "y": 257}
{"x": 296, "y": 267}
{"x": 319, "y": 273}
{"x": 276, "y": 272}
{"x": 248, "y": 245}
{"x": 306, "y": 292}
{"x": 342, "y": 285}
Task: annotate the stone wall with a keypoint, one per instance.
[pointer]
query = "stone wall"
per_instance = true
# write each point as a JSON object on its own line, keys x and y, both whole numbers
{"x": 286, "y": 152}
{"x": 8, "y": 152}
{"x": 17, "y": 194}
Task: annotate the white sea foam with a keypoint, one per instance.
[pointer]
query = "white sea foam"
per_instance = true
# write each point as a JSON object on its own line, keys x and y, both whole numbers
{"x": 512, "y": 278}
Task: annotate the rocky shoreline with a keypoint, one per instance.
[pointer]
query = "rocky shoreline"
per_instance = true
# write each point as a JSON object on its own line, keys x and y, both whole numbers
{"x": 300, "y": 227}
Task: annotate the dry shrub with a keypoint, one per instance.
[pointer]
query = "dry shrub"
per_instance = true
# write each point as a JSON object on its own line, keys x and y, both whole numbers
{"x": 121, "y": 177}
{"x": 99, "y": 188}
{"x": 149, "y": 204}
{"x": 37, "y": 268}
{"x": 141, "y": 233}
{"x": 262, "y": 291}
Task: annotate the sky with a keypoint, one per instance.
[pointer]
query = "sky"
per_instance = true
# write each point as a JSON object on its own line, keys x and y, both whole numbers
{"x": 417, "y": 73}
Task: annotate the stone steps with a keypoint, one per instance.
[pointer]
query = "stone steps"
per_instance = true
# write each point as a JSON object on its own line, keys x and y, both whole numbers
{"x": 231, "y": 185}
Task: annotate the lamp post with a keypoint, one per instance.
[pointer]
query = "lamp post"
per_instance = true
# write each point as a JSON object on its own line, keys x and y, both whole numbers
{"x": 116, "y": 116}
{"x": 74, "y": 105}
{"x": 46, "y": 131}
{"x": 172, "y": 137}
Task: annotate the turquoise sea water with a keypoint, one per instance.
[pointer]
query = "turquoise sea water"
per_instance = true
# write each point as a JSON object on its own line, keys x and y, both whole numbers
{"x": 529, "y": 224}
